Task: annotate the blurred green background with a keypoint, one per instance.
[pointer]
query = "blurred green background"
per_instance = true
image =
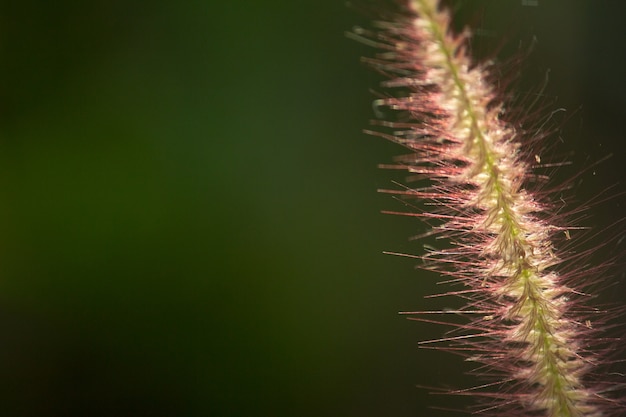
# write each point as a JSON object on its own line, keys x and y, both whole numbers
{"x": 188, "y": 217}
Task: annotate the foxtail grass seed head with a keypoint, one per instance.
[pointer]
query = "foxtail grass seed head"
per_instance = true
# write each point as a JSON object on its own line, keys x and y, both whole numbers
{"x": 541, "y": 348}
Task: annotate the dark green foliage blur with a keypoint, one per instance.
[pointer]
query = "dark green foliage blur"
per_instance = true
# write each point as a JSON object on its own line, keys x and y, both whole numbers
{"x": 189, "y": 223}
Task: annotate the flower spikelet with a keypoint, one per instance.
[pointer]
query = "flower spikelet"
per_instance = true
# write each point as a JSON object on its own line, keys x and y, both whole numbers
{"x": 530, "y": 331}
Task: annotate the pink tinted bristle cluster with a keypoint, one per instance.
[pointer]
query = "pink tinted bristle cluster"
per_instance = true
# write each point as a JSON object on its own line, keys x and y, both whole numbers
{"x": 542, "y": 349}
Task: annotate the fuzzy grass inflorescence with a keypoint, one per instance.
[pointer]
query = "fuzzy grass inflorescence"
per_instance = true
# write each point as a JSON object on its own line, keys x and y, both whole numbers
{"x": 539, "y": 345}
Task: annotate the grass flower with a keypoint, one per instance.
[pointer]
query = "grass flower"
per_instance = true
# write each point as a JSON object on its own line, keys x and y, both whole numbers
{"x": 541, "y": 348}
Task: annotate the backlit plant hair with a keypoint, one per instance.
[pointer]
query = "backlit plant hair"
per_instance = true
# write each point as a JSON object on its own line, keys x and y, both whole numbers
{"x": 541, "y": 349}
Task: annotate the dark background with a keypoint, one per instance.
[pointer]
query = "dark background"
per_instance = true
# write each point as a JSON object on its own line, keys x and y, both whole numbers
{"x": 188, "y": 217}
